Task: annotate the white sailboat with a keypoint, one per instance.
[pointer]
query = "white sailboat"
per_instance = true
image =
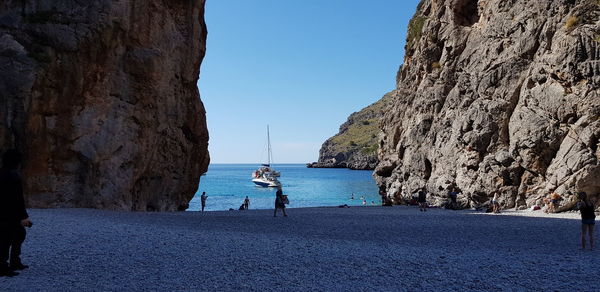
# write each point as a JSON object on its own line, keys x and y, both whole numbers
{"x": 265, "y": 176}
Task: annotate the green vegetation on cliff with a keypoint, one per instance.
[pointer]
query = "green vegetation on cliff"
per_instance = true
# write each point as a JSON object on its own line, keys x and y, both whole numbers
{"x": 356, "y": 145}
{"x": 415, "y": 29}
{"x": 359, "y": 135}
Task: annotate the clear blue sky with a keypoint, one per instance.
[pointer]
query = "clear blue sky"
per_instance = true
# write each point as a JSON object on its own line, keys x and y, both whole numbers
{"x": 300, "y": 66}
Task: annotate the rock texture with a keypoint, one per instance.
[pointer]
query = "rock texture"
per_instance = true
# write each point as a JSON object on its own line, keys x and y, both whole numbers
{"x": 356, "y": 144}
{"x": 496, "y": 95}
{"x": 101, "y": 98}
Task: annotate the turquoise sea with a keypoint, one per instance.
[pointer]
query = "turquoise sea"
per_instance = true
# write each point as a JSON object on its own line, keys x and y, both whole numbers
{"x": 226, "y": 186}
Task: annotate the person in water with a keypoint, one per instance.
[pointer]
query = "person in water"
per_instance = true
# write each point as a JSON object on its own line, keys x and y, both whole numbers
{"x": 246, "y": 203}
{"x": 279, "y": 202}
{"x": 203, "y": 200}
{"x": 13, "y": 215}
{"x": 588, "y": 219}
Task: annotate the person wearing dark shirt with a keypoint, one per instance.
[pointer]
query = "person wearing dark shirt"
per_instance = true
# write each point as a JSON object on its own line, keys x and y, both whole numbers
{"x": 422, "y": 199}
{"x": 279, "y": 202}
{"x": 588, "y": 218}
{"x": 246, "y": 203}
{"x": 203, "y": 200}
{"x": 453, "y": 192}
{"x": 13, "y": 215}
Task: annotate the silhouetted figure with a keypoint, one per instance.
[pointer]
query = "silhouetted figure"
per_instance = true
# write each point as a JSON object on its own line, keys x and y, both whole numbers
{"x": 279, "y": 202}
{"x": 203, "y": 200}
{"x": 453, "y": 192}
{"x": 246, "y": 203}
{"x": 13, "y": 215}
{"x": 588, "y": 219}
{"x": 422, "y": 200}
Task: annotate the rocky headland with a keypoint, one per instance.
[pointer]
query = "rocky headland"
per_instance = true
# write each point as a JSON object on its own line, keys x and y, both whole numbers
{"x": 496, "y": 95}
{"x": 101, "y": 98}
{"x": 356, "y": 144}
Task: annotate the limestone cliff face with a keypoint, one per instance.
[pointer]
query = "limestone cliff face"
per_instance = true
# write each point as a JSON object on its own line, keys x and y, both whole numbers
{"x": 101, "y": 98}
{"x": 496, "y": 95}
{"x": 356, "y": 144}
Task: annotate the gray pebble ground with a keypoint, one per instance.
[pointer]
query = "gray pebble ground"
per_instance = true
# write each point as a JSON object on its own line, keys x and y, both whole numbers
{"x": 314, "y": 249}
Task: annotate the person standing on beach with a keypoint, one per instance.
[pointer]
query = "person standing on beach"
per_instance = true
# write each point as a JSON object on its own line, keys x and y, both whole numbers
{"x": 13, "y": 215}
{"x": 422, "y": 200}
{"x": 588, "y": 218}
{"x": 246, "y": 203}
{"x": 496, "y": 203}
{"x": 453, "y": 194}
{"x": 279, "y": 202}
{"x": 203, "y": 200}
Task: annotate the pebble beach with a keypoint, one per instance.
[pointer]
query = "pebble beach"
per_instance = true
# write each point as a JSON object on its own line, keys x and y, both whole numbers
{"x": 314, "y": 249}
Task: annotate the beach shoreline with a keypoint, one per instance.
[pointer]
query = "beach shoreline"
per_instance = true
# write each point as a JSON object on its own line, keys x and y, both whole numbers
{"x": 321, "y": 248}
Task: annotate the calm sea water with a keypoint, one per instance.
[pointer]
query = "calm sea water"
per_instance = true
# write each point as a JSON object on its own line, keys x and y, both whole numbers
{"x": 226, "y": 186}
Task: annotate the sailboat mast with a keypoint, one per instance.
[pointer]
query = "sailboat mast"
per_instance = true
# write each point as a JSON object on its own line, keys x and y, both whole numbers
{"x": 269, "y": 146}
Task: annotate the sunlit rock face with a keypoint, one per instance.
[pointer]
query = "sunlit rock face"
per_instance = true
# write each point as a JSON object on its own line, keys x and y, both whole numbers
{"x": 496, "y": 95}
{"x": 101, "y": 98}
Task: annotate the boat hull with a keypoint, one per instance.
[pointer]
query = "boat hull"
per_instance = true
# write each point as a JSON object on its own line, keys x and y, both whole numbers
{"x": 265, "y": 183}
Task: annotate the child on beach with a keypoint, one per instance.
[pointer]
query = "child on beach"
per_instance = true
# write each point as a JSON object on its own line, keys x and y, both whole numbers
{"x": 586, "y": 207}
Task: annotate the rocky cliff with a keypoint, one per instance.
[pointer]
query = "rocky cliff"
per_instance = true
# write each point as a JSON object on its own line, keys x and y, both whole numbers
{"x": 496, "y": 95}
{"x": 101, "y": 98}
{"x": 356, "y": 144}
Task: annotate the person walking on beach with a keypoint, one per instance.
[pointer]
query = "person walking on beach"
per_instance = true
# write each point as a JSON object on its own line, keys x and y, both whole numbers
{"x": 246, "y": 203}
{"x": 279, "y": 202}
{"x": 13, "y": 215}
{"x": 588, "y": 218}
{"x": 422, "y": 200}
{"x": 203, "y": 200}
